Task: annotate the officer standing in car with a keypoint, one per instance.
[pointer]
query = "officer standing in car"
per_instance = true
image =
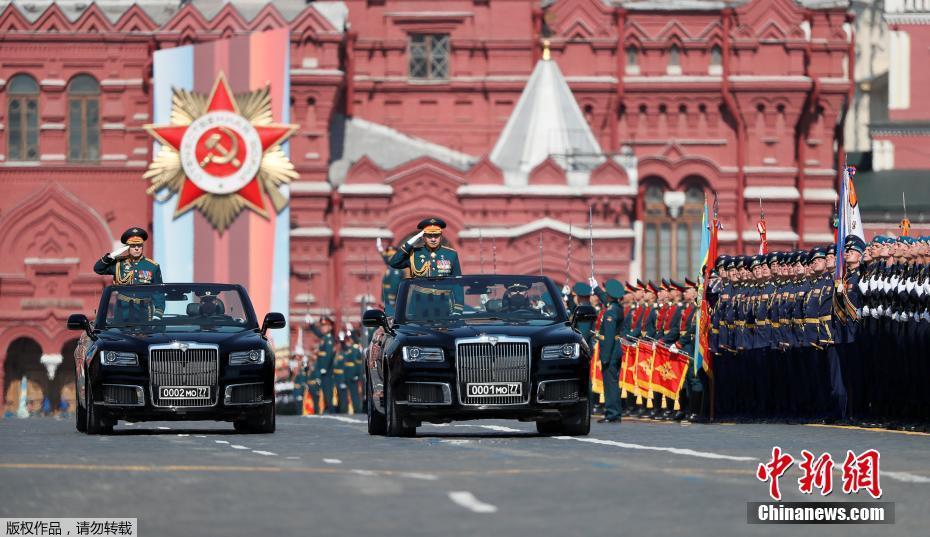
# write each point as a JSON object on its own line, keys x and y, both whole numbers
{"x": 128, "y": 266}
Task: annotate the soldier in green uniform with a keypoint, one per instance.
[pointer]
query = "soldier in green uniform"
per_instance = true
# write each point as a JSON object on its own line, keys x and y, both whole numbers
{"x": 352, "y": 368}
{"x": 323, "y": 374}
{"x": 611, "y": 350}
{"x": 390, "y": 281}
{"x": 129, "y": 266}
{"x": 432, "y": 259}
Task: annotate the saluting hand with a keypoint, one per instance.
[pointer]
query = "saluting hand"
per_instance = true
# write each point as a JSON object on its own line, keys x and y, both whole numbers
{"x": 414, "y": 239}
{"x": 379, "y": 245}
{"x": 116, "y": 254}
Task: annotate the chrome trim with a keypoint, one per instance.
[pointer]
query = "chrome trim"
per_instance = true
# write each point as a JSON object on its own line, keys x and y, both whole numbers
{"x": 227, "y": 394}
{"x": 184, "y": 346}
{"x": 140, "y": 395}
{"x": 493, "y": 340}
{"x": 446, "y": 395}
{"x": 539, "y": 391}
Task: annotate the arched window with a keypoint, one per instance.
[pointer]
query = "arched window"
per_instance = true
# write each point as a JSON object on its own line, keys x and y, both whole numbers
{"x": 632, "y": 60}
{"x": 674, "y": 61}
{"x": 716, "y": 60}
{"x": 672, "y": 227}
{"x": 23, "y": 118}
{"x": 83, "y": 119}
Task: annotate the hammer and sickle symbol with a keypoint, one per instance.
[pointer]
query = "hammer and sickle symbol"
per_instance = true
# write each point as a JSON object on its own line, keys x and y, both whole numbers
{"x": 222, "y": 155}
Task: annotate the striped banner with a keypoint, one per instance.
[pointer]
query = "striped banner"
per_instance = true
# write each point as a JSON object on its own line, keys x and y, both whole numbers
{"x": 254, "y": 251}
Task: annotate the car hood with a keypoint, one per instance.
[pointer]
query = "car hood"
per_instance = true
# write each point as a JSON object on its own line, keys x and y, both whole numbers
{"x": 123, "y": 339}
{"x": 414, "y": 334}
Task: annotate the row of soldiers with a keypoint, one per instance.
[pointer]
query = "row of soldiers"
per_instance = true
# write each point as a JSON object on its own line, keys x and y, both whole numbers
{"x": 636, "y": 324}
{"x": 793, "y": 342}
{"x": 333, "y": 380}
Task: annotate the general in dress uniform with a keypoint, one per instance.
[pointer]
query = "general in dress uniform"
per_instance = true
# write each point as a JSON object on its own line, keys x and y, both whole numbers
{"x": 432, "y": 259}
{"x": 129, "y": 266}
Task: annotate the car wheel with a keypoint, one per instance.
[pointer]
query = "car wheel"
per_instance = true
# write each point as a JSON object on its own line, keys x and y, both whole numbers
{"x": 241, "y": 426}
{"x": 95, "y": 422}
{"x": 377, "y": 425}
{"x": 578, "y": 423}
{"x": 80, "y": 413}
{"x": 263, "y": 422}
{"x": 395, "y": 422}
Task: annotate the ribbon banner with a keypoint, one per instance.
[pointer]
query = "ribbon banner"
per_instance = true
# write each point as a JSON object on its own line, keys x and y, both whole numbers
{"x": 220, "y": 175}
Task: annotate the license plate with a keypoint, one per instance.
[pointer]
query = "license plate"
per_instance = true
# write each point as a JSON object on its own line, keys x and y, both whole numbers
{"x": 184, "y": 392}
{"x": 494, "y": 389}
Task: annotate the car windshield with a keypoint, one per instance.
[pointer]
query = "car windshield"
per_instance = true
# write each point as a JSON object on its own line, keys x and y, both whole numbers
{"x": 182, "y": 308}
{"x": 523, "y": 299}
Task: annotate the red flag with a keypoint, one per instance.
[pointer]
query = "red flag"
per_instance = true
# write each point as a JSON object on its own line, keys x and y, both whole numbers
{"x": 645, "y": 354}
{"x": 628, "y": 371}
{"x": 668, "y": 372}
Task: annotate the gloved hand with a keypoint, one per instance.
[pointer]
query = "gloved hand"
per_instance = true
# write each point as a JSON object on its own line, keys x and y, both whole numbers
{"x": 414, "y": 239}
{"x": 343, "y": 385}
{"x": 673, "y": 348}
{"x": 342, "y": 335}
{"x": 566, "y": 290}
{"x": 115, "y": 254}
{"x": 348, "y": 328}
{"x": 309, "y": 319}
{"x": 156, "y": 317}
{"x": 592, "y": 281}
{"x": 379, "y": 245}
{"x": 323, "y": 371}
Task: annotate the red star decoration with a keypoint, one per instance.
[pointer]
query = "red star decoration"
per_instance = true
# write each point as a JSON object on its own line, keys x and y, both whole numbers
{"x": 221, "y": 99}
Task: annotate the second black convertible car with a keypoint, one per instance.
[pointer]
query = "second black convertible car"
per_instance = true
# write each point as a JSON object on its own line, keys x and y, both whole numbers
{"x": 207, "y": 358}
{"x": 476, "y": 347}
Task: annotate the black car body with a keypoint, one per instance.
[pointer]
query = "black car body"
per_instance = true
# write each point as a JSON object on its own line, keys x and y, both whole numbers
{"x": 477, "y": 357}
{"x": 206, "y": 359}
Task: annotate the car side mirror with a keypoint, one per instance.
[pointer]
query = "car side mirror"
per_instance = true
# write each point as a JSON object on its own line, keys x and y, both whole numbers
{"x": 273, "y": 321}
{"x": 78, "y": 321}
{"x": 376, "y": 319}
{"x": 583, "y": 313}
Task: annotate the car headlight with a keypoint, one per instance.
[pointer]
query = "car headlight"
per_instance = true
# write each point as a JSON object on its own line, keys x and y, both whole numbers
{"x": 423, "y": 354}
{"x": 566, "y": 351}
{"x": 252, "y": 357}
{"x": 119, "y": 358}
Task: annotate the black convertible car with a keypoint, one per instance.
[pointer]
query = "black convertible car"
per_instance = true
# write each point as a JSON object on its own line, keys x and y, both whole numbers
{"x": 205, "y": 359}
{"x": 478, "y": 347}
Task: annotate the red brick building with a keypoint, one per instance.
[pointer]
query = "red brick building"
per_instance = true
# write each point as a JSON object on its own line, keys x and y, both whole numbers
{"x": 408, "y": 108}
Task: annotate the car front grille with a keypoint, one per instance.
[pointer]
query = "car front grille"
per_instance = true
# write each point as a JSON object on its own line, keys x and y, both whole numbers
{"x": 554, "y": 391}
{"x": 244, "y": 394}
{"x": 184, "y": 365}
{"x": 428, "y": 393}
{"x": 121, "y": 394}
{"x": 493, "y": 359}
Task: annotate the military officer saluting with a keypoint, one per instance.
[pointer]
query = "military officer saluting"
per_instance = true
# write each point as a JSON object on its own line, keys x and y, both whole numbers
{"x": 128, "y": 266}
{"x": 430, "y": 260}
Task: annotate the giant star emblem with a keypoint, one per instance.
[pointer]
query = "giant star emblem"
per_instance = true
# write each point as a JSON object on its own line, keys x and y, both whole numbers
{"x": 221, "y": 153}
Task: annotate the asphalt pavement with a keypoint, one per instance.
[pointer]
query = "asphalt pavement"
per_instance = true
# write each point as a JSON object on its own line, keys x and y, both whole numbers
{"x": 320, "y": 476}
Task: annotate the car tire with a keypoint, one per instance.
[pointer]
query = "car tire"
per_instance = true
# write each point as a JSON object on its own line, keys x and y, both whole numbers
{"x": 263, "y": 422}
{"x": 95, "y": 422}
{"x": 578, "y": 423}
{"x": 80, "y": 413}
{"x": 395, "y": 422}
{"x": 377, "y": 424}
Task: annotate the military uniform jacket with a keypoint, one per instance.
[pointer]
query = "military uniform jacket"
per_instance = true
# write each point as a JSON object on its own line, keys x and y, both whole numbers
{"x": 325, "y": 354}
{"x": 426, "y": 263}
{"x": 686, "y": 328}
{"x": 669, "y": 332}
{"x": 126, "y": 271}
{"x": 608, "y": 335}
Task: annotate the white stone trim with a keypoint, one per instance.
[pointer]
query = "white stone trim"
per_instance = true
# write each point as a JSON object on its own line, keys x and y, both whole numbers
{"x": 565, "y": 191}
{"x": 578, "y": 232}
{"x": 769, "y": 78}
{"x": 114, "y": 126}
{"x": 672, "y": 78}
{"x": 52, "y": 260}
{"x": 304, "y": 298}
{"x": 136, "y": 163}
{"x": 818, "y": 237}
{"x": 899, "y": 71}
{"x": 820, "y": 172}
{"x": 140, "y": 151}
{"x": 366, "y": 189}
{"x": 52, "y": 127}
{"x": 771, "y": 236}
{"x": 771, "y": 193}
{"x": 141, "y": 116}
{"x": 820, "y": 194}
{"x": 312, "y": 232}
{"x": 114, "y": 156}
{"x": 318, "y": 72}
{"x": 771, "y": 169}
{"x": 366, "y": 233}
{"x": 52, "y": 157}
{"x": 636, "y": 264}
{"x": 118, "y": 82}
{"x": 726, "y": 236}
{"x": 604, "y": 79}
{"x": 52, "y": 82}
{"x": 311, "y": 187}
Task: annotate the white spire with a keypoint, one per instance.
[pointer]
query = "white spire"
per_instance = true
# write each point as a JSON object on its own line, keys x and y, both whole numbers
{"x": 546, "y": 122}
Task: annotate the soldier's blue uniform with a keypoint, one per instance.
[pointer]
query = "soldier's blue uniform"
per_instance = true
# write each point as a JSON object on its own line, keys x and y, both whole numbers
{"x": 430, "y": 262}
{"x": 134, "y": 307}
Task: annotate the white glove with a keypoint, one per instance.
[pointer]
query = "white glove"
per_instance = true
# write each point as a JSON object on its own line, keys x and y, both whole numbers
{"x": 156, "y": 317}
{"x": 673, "y": 348}
{"x": 592, "y": 281}
{"x": 379, "y": 245}
{"x": 866, "y": 311}
{"x": 342, "y": 336}
{"x": 566, "y": 290}
{"x": 309, "y": 319}
{"x": 322, "y": 371}
{"x": 118, "y": 252}
{"x": 414, "y": 239}
{"x": 925, "y": 316}
{"x": 864, "y": 286}
{"x": 873, "y": 283}
{"x": 910, "y": 284}
{"x": 348, "y": 328}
